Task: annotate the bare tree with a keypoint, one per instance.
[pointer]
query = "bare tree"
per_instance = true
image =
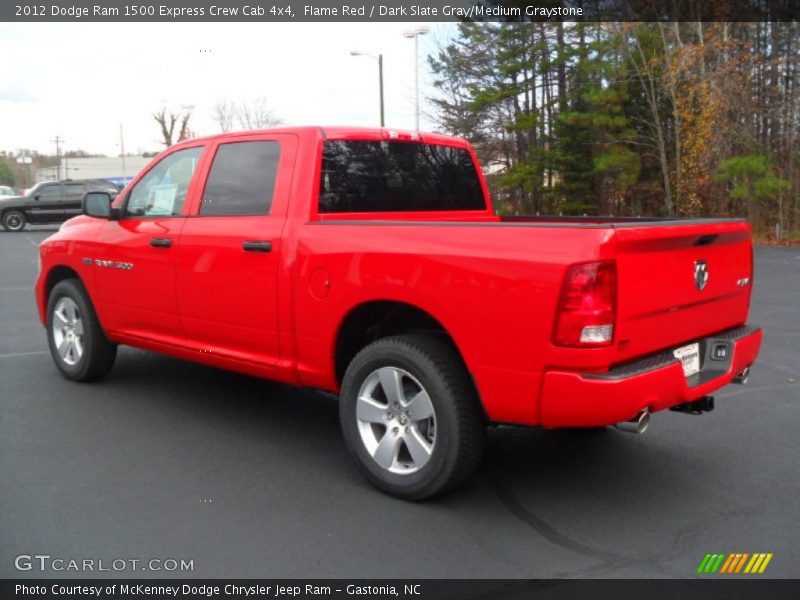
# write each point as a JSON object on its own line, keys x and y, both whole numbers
{"x": 224, "y": 114}
{"x": 184, "y": 133}
{"x": 167, "y": 122}
{"x": 256, "y": 114}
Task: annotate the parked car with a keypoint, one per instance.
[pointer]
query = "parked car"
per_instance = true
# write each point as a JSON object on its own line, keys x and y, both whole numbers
{"x": 119, "y": 182}
{"x": 369, "y": 263}
{"x": 49, "y": 202}
{"x": 6, "y": 192}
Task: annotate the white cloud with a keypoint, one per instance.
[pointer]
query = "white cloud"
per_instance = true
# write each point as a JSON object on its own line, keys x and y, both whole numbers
{"x": 81, "y": 81}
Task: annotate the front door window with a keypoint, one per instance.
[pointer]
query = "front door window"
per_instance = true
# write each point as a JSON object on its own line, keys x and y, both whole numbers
{"x": 162, "y": 191}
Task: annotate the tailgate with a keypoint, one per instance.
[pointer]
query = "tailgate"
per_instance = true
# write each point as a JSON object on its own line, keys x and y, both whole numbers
{"x": 680, "y": 282}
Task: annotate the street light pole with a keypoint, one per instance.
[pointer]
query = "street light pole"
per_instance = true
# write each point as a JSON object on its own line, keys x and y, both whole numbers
{"x": 379, "y": 58}
{"x": 416, "y": 82}
{"x": 58, "y": 141}
{"x": 122, "y": 154}
{"x": 415, "y": 33}
{"x": 380, "y": 84}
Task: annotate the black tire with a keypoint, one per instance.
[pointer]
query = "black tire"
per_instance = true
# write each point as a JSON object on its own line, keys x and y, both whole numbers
{"x": 460, "y": 425}
{"x": 98, "y": 352}
{"x": 13, "y": 220}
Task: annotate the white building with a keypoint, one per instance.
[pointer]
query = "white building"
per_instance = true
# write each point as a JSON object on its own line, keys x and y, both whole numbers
{"x": 94, "y": 167}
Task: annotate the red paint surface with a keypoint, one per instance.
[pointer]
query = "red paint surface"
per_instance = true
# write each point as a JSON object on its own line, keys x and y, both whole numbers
{"x": 493, "y": 285}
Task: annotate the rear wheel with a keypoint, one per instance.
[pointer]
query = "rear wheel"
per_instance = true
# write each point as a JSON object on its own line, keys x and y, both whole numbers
{"x": 13, "y": 220}
{"x": 79, "y": 347}
{"x": 410, "y": 416}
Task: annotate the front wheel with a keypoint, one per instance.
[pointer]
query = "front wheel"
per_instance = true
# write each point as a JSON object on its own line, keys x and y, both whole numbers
{"x": 13, "y": 220}
{"x": 411, "y": 417}
{"x": 79, "y": 347}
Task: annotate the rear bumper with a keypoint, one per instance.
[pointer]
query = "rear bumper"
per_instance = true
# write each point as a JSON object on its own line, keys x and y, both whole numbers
{"x": 656, "y": 382}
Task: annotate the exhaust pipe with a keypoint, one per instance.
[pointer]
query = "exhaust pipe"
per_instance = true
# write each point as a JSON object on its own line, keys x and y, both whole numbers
{"x": 636, "y": 425}
{"x": 742, "y": 377}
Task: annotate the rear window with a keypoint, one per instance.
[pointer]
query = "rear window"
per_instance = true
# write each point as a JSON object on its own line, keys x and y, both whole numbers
{"x": 361, "y": 176}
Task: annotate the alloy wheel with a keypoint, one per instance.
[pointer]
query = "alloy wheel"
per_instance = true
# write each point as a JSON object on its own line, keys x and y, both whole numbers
{"x": 396, "y": 420}
{"x": 68, "y": 331}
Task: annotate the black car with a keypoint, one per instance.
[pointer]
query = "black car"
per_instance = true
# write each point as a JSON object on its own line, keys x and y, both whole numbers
{"x": 50, "y": 202}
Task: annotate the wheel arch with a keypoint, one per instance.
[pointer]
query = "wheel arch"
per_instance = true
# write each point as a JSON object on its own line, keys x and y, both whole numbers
{"x": 376, "y": 319}
{"x": 54, "y": 276}
{"x": 57, "y": 274}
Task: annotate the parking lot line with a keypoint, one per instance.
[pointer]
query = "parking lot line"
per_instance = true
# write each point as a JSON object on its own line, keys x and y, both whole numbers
{"x": 16, "y": 354}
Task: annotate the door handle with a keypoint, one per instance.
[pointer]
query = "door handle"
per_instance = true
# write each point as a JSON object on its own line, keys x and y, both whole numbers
{"x": 257, "y": 246}
{"x": 161, "y": 242}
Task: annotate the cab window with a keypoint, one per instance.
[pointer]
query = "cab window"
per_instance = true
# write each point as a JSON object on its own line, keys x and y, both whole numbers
{"x": 242, "y": 179}
{"x": 369, "y": 177}
{"x": 162, "y": 191}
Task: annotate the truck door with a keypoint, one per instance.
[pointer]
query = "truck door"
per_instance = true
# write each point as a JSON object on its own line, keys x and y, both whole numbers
{"x": 230, "y": 252}
{"x": 72, "y": 199}
{"x": 134, "y": 257}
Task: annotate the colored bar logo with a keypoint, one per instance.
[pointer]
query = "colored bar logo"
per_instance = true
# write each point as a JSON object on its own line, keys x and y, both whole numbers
{"x": 736, "y": 563}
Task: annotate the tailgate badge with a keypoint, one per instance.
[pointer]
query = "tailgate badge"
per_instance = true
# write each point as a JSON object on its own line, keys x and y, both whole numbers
{"x": 700, "y": 274}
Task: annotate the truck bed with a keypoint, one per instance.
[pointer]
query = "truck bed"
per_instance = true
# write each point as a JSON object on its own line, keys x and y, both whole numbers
{"x": 611, "y": 221}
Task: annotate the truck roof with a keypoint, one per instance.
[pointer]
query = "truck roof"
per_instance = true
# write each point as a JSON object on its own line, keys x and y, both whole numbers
{"x": 347, "y": 133}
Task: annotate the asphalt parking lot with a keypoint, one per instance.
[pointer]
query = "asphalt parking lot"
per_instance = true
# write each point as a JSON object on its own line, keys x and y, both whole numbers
{"x": 165, "y": 459}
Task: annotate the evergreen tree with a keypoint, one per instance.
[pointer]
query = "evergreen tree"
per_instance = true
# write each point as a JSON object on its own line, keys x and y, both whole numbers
{"x": 6, "y": 174}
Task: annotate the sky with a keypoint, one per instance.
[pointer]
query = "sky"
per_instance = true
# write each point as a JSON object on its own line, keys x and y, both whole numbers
{"x": 82, "y": 81}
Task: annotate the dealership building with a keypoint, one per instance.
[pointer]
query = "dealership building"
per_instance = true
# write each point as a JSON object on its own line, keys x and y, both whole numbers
{"x": 94, "y": 167}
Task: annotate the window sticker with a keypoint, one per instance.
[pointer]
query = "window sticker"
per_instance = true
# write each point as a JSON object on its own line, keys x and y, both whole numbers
{"x": 161, "y": 199}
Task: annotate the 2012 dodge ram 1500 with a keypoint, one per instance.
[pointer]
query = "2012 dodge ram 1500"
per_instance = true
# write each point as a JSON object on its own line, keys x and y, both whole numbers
{"x": 369, "y": 263}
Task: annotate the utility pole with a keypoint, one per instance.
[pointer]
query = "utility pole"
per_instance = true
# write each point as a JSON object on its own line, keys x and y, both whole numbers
{"x": 58, "y": 142}
{"x": 122, "y": 153}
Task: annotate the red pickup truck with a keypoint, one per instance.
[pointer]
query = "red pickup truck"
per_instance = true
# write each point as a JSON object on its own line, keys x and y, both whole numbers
{"x": 369, "y": 263}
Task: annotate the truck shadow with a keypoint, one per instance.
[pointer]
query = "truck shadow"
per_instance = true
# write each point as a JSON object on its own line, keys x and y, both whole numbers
{"x": 570, "y": 462}
{"x": 583, "y": 491}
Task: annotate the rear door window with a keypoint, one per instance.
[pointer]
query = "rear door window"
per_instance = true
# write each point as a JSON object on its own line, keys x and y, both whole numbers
{"x": 242, "y": 179}
{"x": 73, "y": 191}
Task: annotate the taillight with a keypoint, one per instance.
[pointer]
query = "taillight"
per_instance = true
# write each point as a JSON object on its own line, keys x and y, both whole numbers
{"x": 588, "y": 306}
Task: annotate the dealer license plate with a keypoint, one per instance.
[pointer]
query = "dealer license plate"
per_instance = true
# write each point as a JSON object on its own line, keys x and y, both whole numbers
{"x": 690, "y": 359}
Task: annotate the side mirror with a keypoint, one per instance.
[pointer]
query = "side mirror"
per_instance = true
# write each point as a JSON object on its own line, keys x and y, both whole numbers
{"x": 36, "y": 197}
{"x": 97, "y": 204}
